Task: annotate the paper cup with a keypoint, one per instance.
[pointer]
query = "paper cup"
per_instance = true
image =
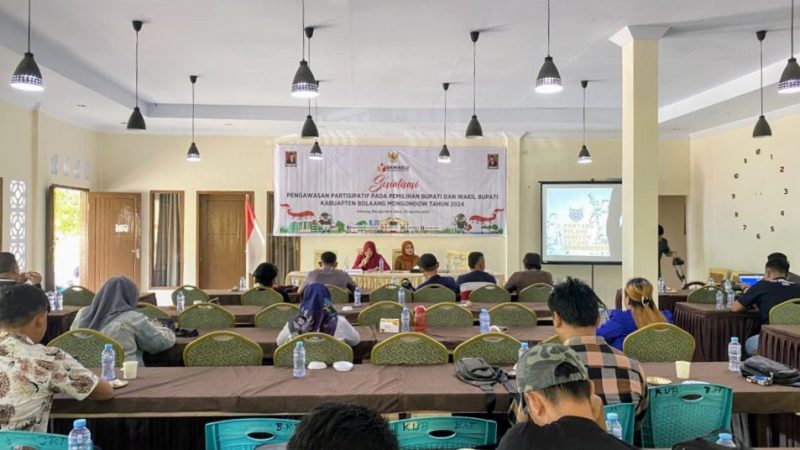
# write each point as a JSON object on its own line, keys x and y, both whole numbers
{"x": 683, "y": 369}
{"x": 129, "y": 369}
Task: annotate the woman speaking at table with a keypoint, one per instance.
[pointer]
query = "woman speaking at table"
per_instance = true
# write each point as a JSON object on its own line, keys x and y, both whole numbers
{"x": 318, "y": 316}
{"x": 407, "y": 259}
{"x": 369, "y": 260}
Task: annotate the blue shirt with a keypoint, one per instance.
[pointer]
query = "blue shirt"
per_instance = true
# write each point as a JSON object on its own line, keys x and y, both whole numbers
{"x": 620, "y": 324}
{"x": 444, "y": 281}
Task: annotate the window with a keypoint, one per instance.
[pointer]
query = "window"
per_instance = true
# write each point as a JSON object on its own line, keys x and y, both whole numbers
{"x": 166, "y": 239}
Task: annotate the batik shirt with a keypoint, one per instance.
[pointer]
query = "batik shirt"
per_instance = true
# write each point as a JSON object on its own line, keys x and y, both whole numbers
{"x": 30, "y": 374}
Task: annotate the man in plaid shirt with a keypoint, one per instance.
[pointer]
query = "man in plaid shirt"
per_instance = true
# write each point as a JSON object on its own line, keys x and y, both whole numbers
{"x": 616, "y": 377}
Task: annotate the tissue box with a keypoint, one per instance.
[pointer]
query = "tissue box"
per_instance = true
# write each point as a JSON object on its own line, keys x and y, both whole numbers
{"x": 389, "y": 325}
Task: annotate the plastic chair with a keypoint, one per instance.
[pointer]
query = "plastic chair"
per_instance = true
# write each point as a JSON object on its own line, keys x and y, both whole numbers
{"x": 261, "y": 297}
{"x": 554, "y": 339}
{"x": 691, "y": 284}
{"x": 786, "y": 313}
{"x": 434, "y": 293}
{"x": 659, "y": 342}
{"x": 275, "y": 316}
{"x": 372, "y": 314}
{"x": 536, "y": 293}
{"x": 338, "y": 294}
{"x": 191, "y": 294}
{"x": 409, "y": 349}
{"x": 86, "y": 345}
{"x": 444, "y": 432}
{"x": 388, "y": 292}
{"x": 627, "y": 418}
{"x": 495, "y": 348}
{"x": 152, "y": 312}
{"x": 29, "y": 440}
{"x": 512, "y": 315}
{"x": 490, "y": 294}
{"x": 222, "y": 349}
{"x": 206, "y": 315}
{"x": 679, "y": 412}
{"x": 706, "y": 294}
{"x": 319, "y": 347}
{"x": 449, "y": 315}
{"x": 248, "y": 434}
{"x": 77, "y": 296}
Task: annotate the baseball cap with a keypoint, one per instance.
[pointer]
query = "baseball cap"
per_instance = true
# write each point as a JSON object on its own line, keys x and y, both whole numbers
{"x": 536, "y": 370}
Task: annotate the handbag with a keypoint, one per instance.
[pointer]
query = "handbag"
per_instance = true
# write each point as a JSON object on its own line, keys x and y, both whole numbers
{"x": 477, "y": 372}
{"x": 779, "y": 373}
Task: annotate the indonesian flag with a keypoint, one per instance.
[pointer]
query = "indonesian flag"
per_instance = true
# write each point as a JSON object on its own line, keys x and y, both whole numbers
{"x": 254, "y": 238}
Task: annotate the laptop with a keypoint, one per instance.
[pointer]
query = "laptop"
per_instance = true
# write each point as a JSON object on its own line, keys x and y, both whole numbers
{"x": 750, "y": 279}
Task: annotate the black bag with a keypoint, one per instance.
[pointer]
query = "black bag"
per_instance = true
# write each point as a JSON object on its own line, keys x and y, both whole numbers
{"x": 780, "y": 374}
{"x": 708, "y": 442}
{"x": 477, "y": 372}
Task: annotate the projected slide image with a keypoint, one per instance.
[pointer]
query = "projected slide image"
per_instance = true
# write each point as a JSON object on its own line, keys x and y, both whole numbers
{"x": 577, "y": 222}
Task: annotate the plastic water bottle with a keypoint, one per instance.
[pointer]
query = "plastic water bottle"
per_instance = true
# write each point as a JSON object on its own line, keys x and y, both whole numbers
{"x": 59, "y": 301}
{"x": 346, "y": 263}
{"x": 107, "y": 361}
{"x": 80, "y": 438}
{"x": 357, "y": 297}
{"x": 726, "y": 284}
{"x": 181, "y": 299}
{"x": 613, "y": 426}
{"x": 603, "y": 314}
{"x": 299, "y": 370}
{"x": 394, "y": 280}
{"x": 242, "y": 284}
{"x": 401, "y": 296}
{"x": 380, "y": 265}
{"x": 522, "y": 349}
{"x": 726, "y": 440}
{"x": 720, "y": 300}
{"x": 734, "y": 354}
{"x": 731, "y": 295}
{"x": 405, "y": 320}
{"x": 662, "y": 285}
{"x": 484, "y": 320}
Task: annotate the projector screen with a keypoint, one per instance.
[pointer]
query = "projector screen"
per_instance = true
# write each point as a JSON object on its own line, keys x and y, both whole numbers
{"x": 581, "y": 222}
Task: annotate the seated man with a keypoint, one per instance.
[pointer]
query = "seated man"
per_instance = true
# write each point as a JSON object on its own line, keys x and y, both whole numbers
{"x": 790, "y": 277}
{"x": 430, "y": 269}
{"x": 9, "y": 272}
{"x": 532, "y": 274}
{"x": 616, "y": 377}
{"x": 772, "y": 290}
{"x": 32, "y": 373}
{"x": 342, "y": 426}
{"x": 563, "y": 412}
{"x": 329, "y": 274}
{"x": 476, "y": 277}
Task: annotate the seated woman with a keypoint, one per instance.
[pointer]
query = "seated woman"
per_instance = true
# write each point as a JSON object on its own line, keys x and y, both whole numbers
{"x": 317, "y": 315}
{"x": 640, "y": 311}
{"x": 113, "y": 313}
{"x": 406, "y": 260}
{"x": 369, "y": 260}
{"x": 265, "y": 275}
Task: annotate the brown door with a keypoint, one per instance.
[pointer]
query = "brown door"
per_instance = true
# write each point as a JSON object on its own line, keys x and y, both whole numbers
{"x": 221, "y": 245}
{"x": 113, "y": 237}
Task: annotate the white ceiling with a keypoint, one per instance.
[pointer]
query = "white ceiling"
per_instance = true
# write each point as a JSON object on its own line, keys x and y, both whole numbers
{"x": 383, "y": 61}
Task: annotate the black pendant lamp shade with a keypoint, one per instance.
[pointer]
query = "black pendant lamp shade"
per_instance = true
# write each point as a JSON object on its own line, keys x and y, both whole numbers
{"x": 762, "y": 128}
{"x": 316, "y": 152}
{"x": 136, "y": 120}
{"x": 193, "y": 155}
{"x": 474, "y": 129}
{"x": 309, "y": 128}
{"x": 304, "y": 85}
{"x": 27, "y": 76}
{"x": 790, "y": 78}
{"x": 584, "y": 157}
{"x": 549, "y": 80}
{"x": 444, "y": 153}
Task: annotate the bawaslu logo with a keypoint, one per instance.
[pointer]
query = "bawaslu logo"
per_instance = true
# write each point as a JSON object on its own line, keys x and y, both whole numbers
{"x": 393, "y": 156}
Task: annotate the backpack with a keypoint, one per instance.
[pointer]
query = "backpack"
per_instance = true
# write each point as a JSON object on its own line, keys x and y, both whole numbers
{"x": 477, "y": 372}
{"x": 780, "y": 374}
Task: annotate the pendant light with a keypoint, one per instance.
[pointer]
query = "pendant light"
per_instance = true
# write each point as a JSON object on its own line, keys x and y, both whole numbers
{"x": 193, "y": 154}
{"x": 474, "y": 129}
{"x": 27, "y": 76}
{"x": 309, "y": 127}
{"x": 583, "y": 156}
{"x": 762, "y": 128}
{"x": 304, "y": 84}
{"x": 549, "y": 80}
{"x": 790, "y": 78}
{"x": 136, "y": 121}
{"x": 316, "y": 151}
{"x": 444, "y": 153}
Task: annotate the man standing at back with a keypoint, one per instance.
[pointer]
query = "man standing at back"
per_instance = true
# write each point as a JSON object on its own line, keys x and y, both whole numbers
{"x": 476, "y": 277}
{"x": 532, "y": 274}
{"x": 329, "y": 274}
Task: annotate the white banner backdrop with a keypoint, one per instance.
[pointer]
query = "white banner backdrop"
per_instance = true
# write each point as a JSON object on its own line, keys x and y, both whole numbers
{"x": 398, "y": 190}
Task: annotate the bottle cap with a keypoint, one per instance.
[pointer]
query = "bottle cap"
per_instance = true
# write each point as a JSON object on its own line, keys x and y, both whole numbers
{"x": 735, "y": 339}
{"x": 483, "y": 310}
{"x": 725, "y": 436}
{"x": 299, "y": 344}
{"x": 524, "y": 345}
{"x": 612, "y": 416}
{"x": 109, "y": 347}
{"x": 79, "y": 423}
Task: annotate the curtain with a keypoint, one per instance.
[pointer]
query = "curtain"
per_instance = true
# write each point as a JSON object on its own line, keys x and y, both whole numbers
{"x": 283, "y": 251}
{"x": 167, "y": 239}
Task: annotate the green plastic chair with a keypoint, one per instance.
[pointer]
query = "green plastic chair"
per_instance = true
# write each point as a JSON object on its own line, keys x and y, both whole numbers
{"x": 434, "y": 293}
{"x": 554, "y": 339}
{"x": 275, "y": 316}
{"x": 261, "y": 297}
{"x": 444, "y": 432}
{"x": 659, "y": 342}
{"x": 409, "y": 349}
{"x": 338, "y": 294}
{"x": 388, "y": 293}
{"x": 77, "y": 296}
{"x": 627, "y": 417}
{"x": 222, "y": 349}
{"x": 490, "y": 294}
{"x": 191, "y": 294}
{"x": 495, "y": 348}
{"x": 372, "y": 314}
{"x": 319, "y": 347}
{"x": 786, "y": 313}
{"x": 86, "y": 345}
{"x": 679, "y": 412}
{"x": 512, "y": 315}
{"x": 248, "y": 434}
{"x": 536, "y": 293}
{"x": 448, "y": 315}
{"x": 206, "y": 315}
{"x": 152, "y": 312}
{"x": 706, "y": 294}
{"x": 34, "y": 441}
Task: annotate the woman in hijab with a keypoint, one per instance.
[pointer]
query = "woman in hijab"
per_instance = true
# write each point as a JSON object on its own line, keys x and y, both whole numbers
{"x": 113, "y": 313}
{"x": 407, "y": 260}
{"x": 265, "y": 275}
{"x": 317, "y": 315}
{"x": 640, "y": 311}
{"x": 369, "y": 260}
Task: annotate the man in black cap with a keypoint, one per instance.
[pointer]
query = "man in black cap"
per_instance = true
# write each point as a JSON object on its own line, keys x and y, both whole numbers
{"x": 532, "y": 274}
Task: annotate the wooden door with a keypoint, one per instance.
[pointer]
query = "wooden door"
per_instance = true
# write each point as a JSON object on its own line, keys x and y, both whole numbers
{"x": 114, "y": 223}
{"x": 220, "y": 234}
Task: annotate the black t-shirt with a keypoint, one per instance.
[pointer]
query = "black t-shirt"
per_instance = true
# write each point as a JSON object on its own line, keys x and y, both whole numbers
{"x": 663, "y": 249}
{"x": 567, "y": 433}
{"x": 766, "y": 294}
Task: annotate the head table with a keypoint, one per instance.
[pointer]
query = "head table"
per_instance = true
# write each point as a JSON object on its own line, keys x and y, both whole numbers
{"x": 374, "y": 280}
